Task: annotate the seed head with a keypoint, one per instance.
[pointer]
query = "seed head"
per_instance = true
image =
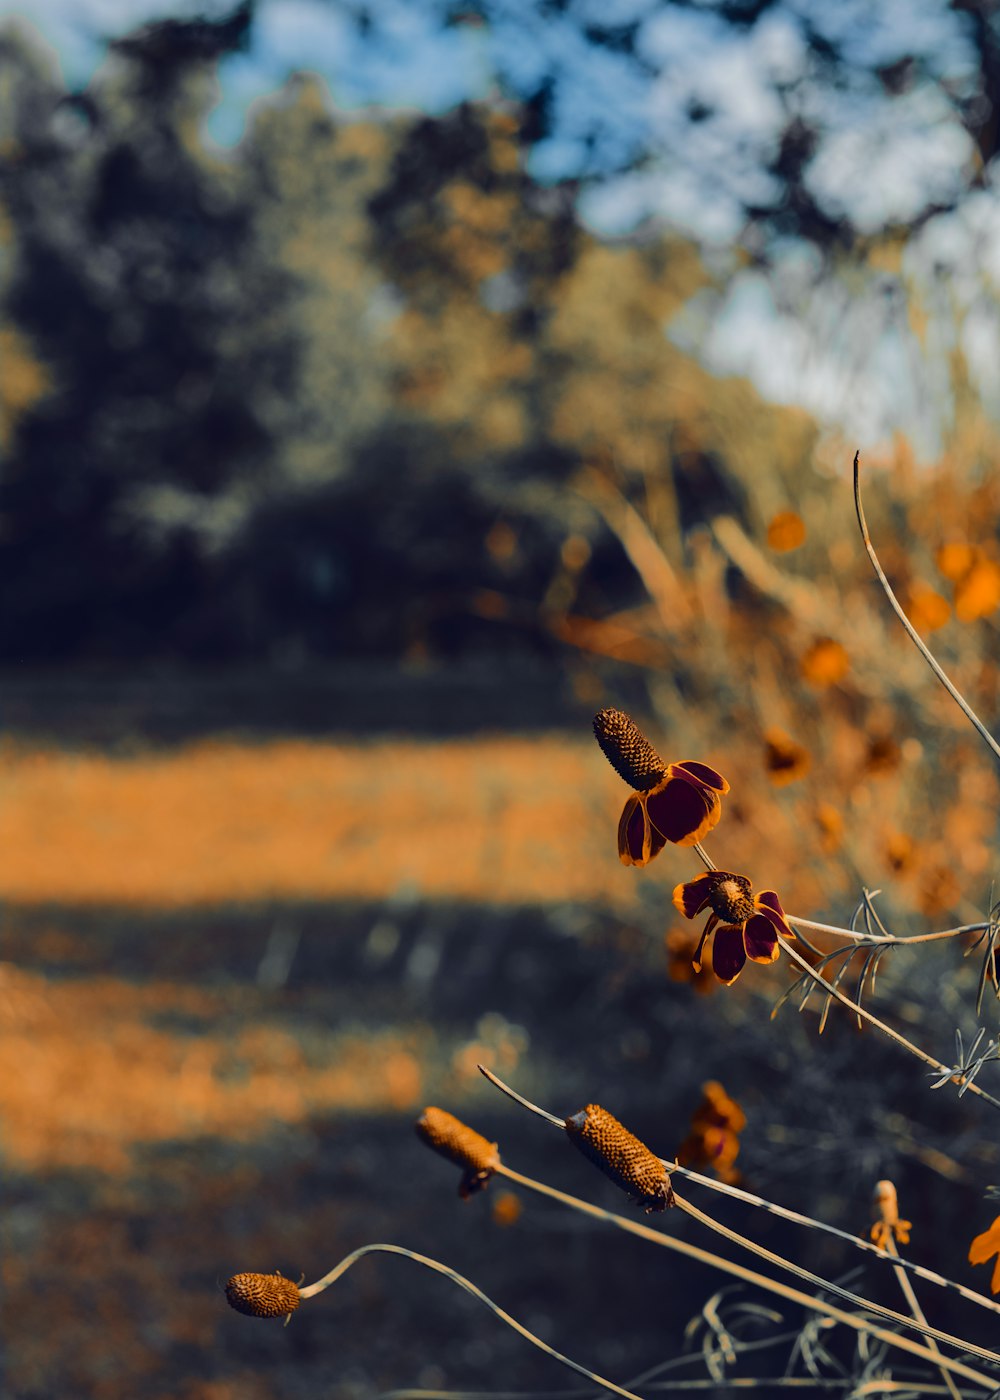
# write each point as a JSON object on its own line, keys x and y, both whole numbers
{"x": 621, "y": 1156}
{"x": 731, "y": 898}
{"x": 461, "y": 1145}
{"x": 262, "y": 1295}
{"x": 628, "y": 750}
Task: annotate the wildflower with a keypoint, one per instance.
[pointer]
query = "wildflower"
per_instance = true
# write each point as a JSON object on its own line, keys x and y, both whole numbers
{"x": 621, "y": 1156}
{"x": 714, "y": 1139}
{"x": 926, "y": 608}
{"x": 461, "y": 1145}
{"x": 506, "y": 1208}
{"x": 983, "y": 1247}
{"x": 677, "y": 802}
{"x": 786, "y": 531}
{"x": 888, "y": 1227}
{"x": 825, "y": 663}
{"x": 262, "y": 1295}
{"x": 955, "y": 559}
{"x": 900, "y": 851}
{"x": 977, "y": 593}
{"x": 784, "y": 758}
{"x": 883, "y": 756}
{"x": 831, "y": 827}
{"x": 746, "y": 925}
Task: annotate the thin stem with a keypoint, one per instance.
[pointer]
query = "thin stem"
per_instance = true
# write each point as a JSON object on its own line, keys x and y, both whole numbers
{"x": 737, "y": 1192}
{"x": 906, "y": 1287}
{"x": 911, "y": 631}
{"x": 887, "y": 940}
{"x": 895, "y": 1035}
{"x": 438, "y": 1268}
{"x": 931, "y": 1333}
{"x": 783, "y": 1290}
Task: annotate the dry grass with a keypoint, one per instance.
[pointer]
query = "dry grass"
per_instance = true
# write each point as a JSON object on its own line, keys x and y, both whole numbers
{"x": 103, "y": 1068}
{"x": 506, "y": 820}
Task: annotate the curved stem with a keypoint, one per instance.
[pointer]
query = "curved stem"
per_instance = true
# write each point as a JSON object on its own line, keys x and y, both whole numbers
{"x": 340, "y": 1269}
{"x": 911, "y": 631}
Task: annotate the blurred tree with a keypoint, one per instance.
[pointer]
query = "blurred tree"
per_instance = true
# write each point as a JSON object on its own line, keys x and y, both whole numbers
{"x": 139, "y": 277}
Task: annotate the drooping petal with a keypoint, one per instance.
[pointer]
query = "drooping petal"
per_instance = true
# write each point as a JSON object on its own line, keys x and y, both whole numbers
{"x": 656, "y": 841}
{"x": 682, "y": 812}
{"x": 703, "y": 775}
{"x": 760, "y": 940}
{"x": 692, "y": 897}
{"x": 768, "y": 904}
{"x": 631, "y": 833}
{"x": 696, "y": 960}
{"x": 728, "y": 953}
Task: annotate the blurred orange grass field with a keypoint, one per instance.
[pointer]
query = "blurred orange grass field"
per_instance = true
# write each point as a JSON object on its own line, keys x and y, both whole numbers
{"x": 510, "y": 820}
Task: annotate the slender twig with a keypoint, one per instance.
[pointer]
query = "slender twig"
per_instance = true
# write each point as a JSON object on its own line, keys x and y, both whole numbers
{"x": 911, "y": 631}
{"x": 340, "y": 1269}
{"x": 886, "y": 941}
{"x": 748, "y": 1198}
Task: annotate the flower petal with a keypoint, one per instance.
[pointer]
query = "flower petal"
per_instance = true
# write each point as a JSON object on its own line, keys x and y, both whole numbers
{"x": 760, "y": 940}
{"x": 702, "y": 774}
{"x": 656, "y": 841}
{"x": 692, "y": 897}
{"x": 728, "y": 953}
{"x": 987, "y": 1244}
{"x": 768, "y": 904}
{"x": 682, "y": 812}
{"x": 638, "y": 842}
{"x": 631, "y": 833}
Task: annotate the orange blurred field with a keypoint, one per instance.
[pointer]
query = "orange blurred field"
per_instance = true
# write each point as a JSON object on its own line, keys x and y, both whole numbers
{"x": 503, "y": 820}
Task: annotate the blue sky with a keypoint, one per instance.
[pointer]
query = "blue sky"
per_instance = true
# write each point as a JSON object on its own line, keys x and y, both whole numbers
{"x": 879, "y": 158}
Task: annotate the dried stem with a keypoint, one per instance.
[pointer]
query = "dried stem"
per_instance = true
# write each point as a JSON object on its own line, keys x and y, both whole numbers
{"x": 872, "y": 1020}
{"x": 438, "y": 1268}
{"x": 771, "y": 1207}
{"x": 727, "y": 1266}
{"x": 911, "y": 631}
{"x": 906, "y": 1287}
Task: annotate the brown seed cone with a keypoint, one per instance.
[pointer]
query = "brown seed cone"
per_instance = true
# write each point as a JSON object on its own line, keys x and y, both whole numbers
{"x": 262, "y": 1295}
{"x": 628, "y": 750}
{"x": 621, "y": 1156}
{"x": 461, "y": 1145}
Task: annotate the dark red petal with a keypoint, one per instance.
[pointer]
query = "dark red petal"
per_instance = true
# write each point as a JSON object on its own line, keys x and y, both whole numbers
{"x": 696, "y": 960}
{"x": 656, "y": 841}
{"x": 702, "y": 774}
{"x": 760, "y": 940}
{"x": 769, "y": 905}
{"x": 691, "y": 898}
{"x": 728, "y": 954}
{"x": 680, "y": 811}
{"x": 631, "y": 830}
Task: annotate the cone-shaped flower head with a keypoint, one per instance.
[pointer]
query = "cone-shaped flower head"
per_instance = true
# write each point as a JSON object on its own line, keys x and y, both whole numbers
{"x": 746, "y": 925}
{"x": 621, "y": 1156}
{"x": 462, "y": 1145}
{"x": 676, "y": 802}
{"x": 262, "y": 1295}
